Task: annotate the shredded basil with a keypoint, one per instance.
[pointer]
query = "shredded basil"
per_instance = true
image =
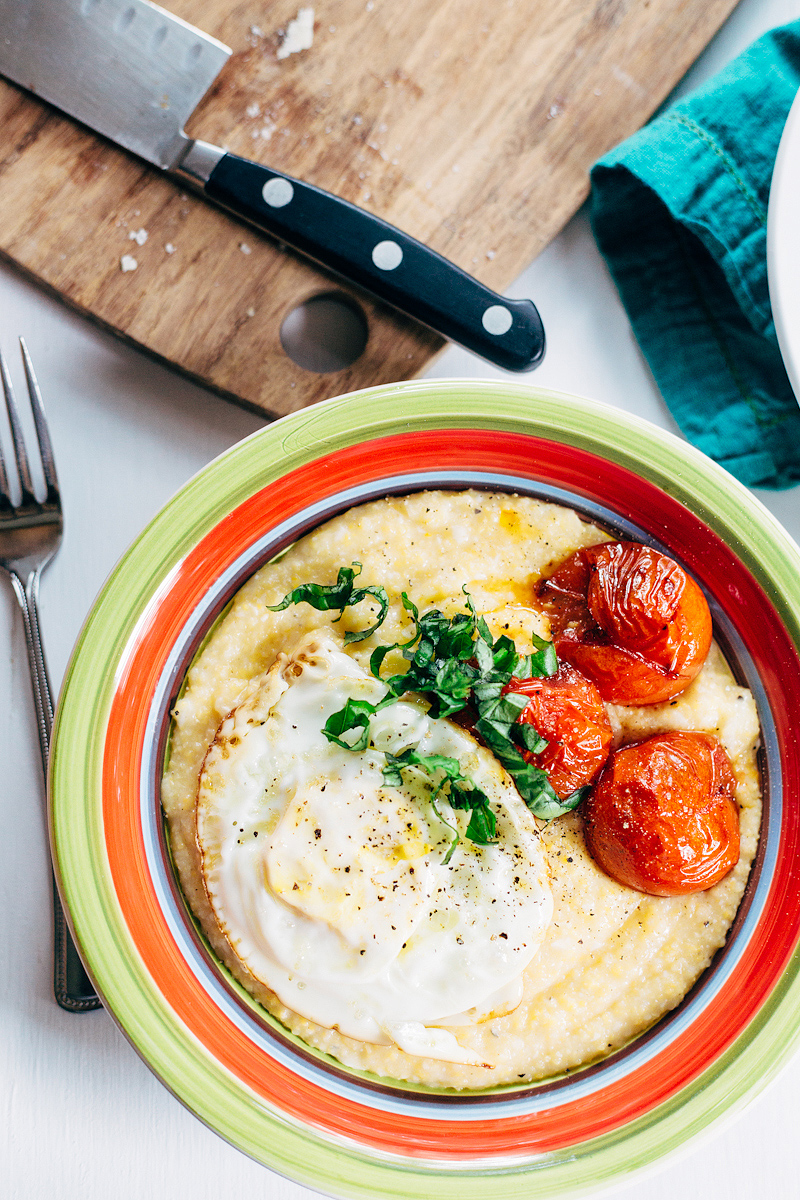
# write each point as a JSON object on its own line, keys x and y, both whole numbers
{"x": 498, "y": 728}
{"x": 461, "y": 793}
{"x": 342, "y": 594}
{"x": 454, "y": 662}
{"x": 354, "y": 715}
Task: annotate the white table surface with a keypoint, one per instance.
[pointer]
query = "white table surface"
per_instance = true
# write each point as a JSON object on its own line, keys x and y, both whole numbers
{"x": 80, "y": 1113}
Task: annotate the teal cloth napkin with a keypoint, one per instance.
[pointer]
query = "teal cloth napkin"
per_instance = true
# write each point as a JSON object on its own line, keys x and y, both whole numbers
{"x": 679, "y": 212}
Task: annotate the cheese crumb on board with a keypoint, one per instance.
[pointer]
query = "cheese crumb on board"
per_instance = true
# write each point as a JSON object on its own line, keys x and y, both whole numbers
{"x": 299, "y": 34}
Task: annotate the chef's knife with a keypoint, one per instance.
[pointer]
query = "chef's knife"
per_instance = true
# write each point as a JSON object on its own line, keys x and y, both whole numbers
{"x": 134, "y": 73}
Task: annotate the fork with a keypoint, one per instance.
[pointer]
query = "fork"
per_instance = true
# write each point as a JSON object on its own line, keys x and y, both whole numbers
{"x": 30, "y": 534}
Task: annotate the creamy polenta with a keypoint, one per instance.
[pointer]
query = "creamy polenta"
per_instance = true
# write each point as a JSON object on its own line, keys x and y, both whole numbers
{"x": 612, "y": 960}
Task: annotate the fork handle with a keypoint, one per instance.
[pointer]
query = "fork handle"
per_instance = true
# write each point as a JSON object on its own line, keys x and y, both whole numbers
{"x": 72, "y": 986}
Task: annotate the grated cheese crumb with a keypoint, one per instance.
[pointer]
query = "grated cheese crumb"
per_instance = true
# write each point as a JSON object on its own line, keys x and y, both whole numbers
{"x": 139, "y": 236}
{"x": 127, "y": 263}
{"x": 299, "y": 34}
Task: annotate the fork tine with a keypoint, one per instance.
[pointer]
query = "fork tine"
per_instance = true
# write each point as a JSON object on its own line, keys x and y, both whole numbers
{"x": 5, "y": 486}
{"x": 16, "y": 433}
{"x": 40, "y": 423}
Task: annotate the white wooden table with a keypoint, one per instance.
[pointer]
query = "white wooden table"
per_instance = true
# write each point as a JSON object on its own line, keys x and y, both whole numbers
{"x": 80, "y": 1114}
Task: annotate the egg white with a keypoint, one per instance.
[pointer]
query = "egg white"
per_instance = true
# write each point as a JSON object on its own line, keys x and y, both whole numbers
{"x": 330, "y": 885}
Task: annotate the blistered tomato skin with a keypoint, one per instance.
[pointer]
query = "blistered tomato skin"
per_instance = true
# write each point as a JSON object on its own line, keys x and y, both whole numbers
{"x": 568, "y": 711}
{"x": 662, "y": 817}
{"x": 631, "y": 619}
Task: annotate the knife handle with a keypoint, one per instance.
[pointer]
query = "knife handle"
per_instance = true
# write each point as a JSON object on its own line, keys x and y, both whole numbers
{"x": 74, "y": 990}
{"x": 377, "y": 257}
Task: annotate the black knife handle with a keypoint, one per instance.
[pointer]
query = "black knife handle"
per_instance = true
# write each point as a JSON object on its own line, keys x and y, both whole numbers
{"x": 381, "y": 259}
{"x": 73, "y": 988}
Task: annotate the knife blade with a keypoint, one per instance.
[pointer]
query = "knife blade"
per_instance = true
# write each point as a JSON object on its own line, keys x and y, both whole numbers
{"x": 135, "y": 73}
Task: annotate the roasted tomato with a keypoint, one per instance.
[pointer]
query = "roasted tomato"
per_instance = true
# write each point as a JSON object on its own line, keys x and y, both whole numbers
{"x": 662, "y": 816}
{"x": 630, "y": 619}
{"x": 567, "y": 710}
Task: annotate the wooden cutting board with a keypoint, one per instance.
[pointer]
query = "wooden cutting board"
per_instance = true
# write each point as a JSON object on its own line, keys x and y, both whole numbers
{"x": 471, "y": 124}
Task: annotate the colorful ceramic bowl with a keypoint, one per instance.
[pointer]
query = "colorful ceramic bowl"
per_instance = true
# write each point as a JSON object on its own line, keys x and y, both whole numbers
{"x": 236, "y": 1068}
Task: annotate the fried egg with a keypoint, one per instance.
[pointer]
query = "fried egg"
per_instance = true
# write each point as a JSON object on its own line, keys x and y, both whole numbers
{"x": 331, "y": 885}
